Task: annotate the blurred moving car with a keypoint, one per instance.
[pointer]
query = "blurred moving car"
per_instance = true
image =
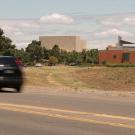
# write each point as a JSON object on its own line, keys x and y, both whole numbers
{"x": 11, "y": 75}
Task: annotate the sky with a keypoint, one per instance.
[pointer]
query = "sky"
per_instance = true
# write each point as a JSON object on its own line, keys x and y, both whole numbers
{"x": 97, "y": 21}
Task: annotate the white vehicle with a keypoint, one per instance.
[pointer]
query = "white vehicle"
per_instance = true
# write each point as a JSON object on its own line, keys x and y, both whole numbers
{"x": 38, "y": 65}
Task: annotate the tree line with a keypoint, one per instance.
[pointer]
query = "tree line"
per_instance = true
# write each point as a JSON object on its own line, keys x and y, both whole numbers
{"x": 35, "y": 53}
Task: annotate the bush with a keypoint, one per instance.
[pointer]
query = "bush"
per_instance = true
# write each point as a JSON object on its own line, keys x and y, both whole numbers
{"x": 52, "y": 61}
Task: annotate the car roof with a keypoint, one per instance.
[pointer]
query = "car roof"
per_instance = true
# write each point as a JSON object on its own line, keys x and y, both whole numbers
{"x": 6, "y": 56}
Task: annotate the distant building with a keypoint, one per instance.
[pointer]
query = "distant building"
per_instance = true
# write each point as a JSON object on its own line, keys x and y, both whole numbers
{"x": 118, "y": 54}
{"x": 121, "y": 45}
{"x": 68, "y": 43}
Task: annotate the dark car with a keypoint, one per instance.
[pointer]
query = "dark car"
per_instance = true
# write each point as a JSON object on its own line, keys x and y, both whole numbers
{"x": 11, "y": 75}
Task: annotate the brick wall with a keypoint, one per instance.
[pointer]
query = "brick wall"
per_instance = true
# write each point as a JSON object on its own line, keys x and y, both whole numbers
{"x": 115, "y": 56}
{"x": 132, "y": 57}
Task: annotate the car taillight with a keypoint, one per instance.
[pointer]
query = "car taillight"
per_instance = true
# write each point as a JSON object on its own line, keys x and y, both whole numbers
{"x": 18, "y": 62}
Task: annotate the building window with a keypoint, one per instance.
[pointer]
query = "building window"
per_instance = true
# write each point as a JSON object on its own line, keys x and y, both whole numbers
{"x": 126, "y": 57}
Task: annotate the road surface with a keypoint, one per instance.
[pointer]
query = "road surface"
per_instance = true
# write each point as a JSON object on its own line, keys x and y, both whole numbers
{"x": 44, "y": 113}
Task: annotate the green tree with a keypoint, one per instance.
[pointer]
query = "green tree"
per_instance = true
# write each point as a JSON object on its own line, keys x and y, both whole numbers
{"x": 90, "y": 56}
{"x": 8, "y": 52}
{"x": 35, "y": 51}
{"x": 24, "y": 56}
{"x": 55, "y": 51}
{"x": 63, "y": 56}
{"x": 84, "y": 55}
{"x": 1, "y": 32}
{"x": 46, "y": 53}
{"x": 94, "y": 56}
{"x": 6, "y": 46}
{"x": 74, "y": 57}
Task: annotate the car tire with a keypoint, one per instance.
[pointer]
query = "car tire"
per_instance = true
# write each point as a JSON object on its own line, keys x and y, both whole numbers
{"x": 18, "y": 89}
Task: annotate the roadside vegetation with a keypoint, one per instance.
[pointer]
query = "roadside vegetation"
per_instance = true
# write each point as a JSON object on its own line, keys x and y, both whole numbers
{"x": 82, "y": 78}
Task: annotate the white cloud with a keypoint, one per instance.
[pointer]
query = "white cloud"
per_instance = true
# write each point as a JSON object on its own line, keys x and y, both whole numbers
{"x": 129, "y": 20}
{"x": 15, "y": 25}
{"x": 9, "y": 28}
{"x": 29, "y": 24}
{"x": 111, "y": 21}
{"x": 22, "y": 45}
{"x": 18, "y": 33}
{"x": 57, "y": 19}
{"x": 118, "y": 20}
{"x": 113, "y": 32}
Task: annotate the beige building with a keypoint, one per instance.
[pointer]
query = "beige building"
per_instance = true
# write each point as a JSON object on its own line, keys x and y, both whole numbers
{"x": 68, "y": 43}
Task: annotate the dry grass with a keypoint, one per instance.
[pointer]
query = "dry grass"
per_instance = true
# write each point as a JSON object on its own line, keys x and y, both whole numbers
{"x": 36, "y": 77}
{"x": 119, "y": 79}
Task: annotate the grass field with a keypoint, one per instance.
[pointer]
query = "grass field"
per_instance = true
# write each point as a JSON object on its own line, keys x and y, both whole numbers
{"x": 83, "y": 78}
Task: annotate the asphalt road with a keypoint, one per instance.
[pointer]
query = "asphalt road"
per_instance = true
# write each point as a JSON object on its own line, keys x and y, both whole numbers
{"x": 43, "y": 113}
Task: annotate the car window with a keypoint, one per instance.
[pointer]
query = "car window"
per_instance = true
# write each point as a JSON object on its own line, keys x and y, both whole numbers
{"x": 7, "y": 62}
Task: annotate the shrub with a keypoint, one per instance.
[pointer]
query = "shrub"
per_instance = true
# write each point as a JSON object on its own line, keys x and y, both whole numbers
{"x": 52, "y": 61}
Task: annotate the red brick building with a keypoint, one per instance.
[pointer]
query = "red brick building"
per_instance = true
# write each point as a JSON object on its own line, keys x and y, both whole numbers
{"x": 116, "y": 56}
